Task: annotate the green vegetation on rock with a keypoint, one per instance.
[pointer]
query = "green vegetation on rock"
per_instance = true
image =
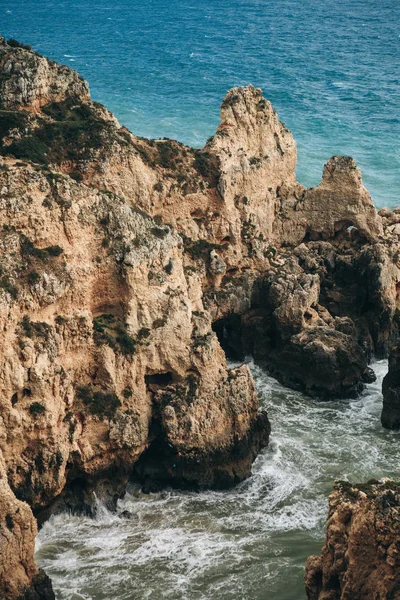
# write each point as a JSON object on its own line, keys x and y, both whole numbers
{"x": 101, "y": 404}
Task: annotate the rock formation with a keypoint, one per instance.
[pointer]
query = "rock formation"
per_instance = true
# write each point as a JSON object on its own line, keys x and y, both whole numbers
{"x": 391, "y": 392}
{"x": 20, "y": 577}
{"x": 361, "y": 558}
{"x": 128, "y": 266}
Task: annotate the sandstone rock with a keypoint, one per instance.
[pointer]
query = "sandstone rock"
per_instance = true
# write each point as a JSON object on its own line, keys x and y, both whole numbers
{"x": 257, "y": 155}
{"x": 361, "y": 558}
{"x": 127, "y": 263}
{"x": 31, "y": 81}
{"x": 19, "y": 576}
{"x": 183, "y": 429}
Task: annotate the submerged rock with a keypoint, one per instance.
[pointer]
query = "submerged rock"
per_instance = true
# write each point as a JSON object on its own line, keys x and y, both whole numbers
{"x": 361, "y": 558}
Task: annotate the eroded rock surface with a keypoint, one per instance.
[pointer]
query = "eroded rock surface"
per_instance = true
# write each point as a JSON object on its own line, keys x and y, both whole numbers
{"x": 390, "y": 416}
{"x": 31, "y": 81}
{"x": 19, "y": 575}
{"x": 128, "y": 266}
{"x": 361, "y": 558}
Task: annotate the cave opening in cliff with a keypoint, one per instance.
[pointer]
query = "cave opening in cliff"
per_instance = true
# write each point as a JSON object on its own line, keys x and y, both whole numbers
{"x": 229, "y": 334}
{"x": 346, "y": 231}
{"x": 158, "y": 379}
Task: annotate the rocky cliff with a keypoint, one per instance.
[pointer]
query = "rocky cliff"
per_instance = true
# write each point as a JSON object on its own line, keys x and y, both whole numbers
{"x": 361, "y": 558}
{"x": 130, "y": 266}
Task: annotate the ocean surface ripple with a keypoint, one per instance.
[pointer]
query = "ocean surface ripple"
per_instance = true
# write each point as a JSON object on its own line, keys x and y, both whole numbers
{"x": 331, "y": 69}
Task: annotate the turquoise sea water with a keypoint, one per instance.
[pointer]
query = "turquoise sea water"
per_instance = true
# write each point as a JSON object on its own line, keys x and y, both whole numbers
{"x": 331, "y": 69}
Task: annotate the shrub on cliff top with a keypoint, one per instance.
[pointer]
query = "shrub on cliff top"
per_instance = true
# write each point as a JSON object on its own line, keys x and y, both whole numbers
{"x": 127, "y": 344}
{"x": 12, "y": 120}
{"x": 168, "y": 154}
{"x": 28, "y": 249}
{"x": 33, "y": 277}
{"x": 15, "y": 44}
{"x": 159, "y": 232}
{"x": 30, "y": 148}
{"x": 208, "y": 166}
{"x": 10, "y": 288}
{"x": 200, "y": 248}
{"x": 76, "y": 129}
{"x": 68, "y": 110}
{"x": 35, "y": 329}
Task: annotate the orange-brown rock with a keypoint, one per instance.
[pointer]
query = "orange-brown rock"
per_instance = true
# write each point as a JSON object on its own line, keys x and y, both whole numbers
{"x": 361, "y": 557}
{"x": 19, "y": 575}
{"x": 129, "y": 265}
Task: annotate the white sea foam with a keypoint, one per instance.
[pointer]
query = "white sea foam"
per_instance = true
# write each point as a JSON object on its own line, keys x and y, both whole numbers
{"x": 242, "y": 543}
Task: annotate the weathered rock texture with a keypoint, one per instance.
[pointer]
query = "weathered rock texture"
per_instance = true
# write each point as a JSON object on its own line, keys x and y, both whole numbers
{"x": 361, "y": 558}
{"x": 129, "y": 265}
{"x": 29, "y": 80}
{"x": 20, "y": 576}
{"x": 391, "y": 392}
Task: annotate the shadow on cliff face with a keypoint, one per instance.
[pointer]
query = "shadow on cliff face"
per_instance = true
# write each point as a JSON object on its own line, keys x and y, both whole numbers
{"x": 177, "y": 455}
{"x": 229, "y": 333}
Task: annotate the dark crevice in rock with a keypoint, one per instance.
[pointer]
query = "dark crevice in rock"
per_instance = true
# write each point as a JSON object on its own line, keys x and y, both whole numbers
{"x": 162, "y": 465}
{"x": 390, "y": 416}
{"x": 229, "y": 333}
{"x": 159, "y": 379}
{"x": 40, "y": 588}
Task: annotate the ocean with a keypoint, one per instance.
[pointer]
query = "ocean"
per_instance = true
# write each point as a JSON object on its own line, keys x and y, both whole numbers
{"x": 249, "y": 543}
{"x": 331, "y": 69}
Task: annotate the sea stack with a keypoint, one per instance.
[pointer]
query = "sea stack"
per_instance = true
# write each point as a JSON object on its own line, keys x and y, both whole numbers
{"x": 361, "y": 557}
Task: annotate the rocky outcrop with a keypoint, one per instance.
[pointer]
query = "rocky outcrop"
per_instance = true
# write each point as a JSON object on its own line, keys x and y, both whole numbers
{"x": 183, "y": 450}
{"x": 98, "y": 318}
{"x": 19, "y": 575}
{"x": 340, "y": 204}
{"x": 291, "y": 327}
{"x": 129, "y": 265}
{"x": 390, "y": 416}
{"x": 361, "y": 558}
{"x": 29, "y": 80}
{"x": 325, "y": 305}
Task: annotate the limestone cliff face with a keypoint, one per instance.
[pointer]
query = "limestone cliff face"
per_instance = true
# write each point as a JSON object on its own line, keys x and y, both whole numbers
{"x": 126, "y": 264}
{"x": 29, "y": 80}
{"x": 98, "y": 316}
{"x": 257, "y": 155}
{"x": 19, "y": 573}
{"x": 361, "y": 558}
{"x": 338, "y": 203}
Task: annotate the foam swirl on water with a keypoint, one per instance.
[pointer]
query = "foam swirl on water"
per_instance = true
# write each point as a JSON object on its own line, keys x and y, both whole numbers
{"x": 250, "y": 542}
